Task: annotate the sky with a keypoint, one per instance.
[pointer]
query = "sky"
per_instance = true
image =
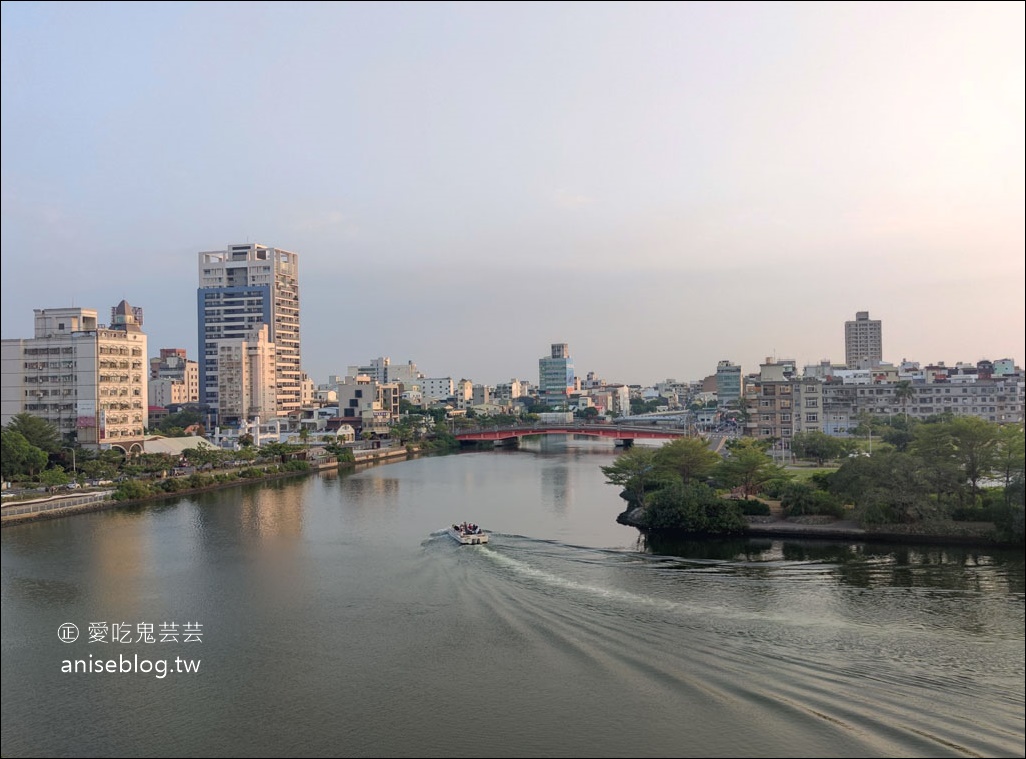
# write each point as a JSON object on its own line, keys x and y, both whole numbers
{"x": 659, "y": 185}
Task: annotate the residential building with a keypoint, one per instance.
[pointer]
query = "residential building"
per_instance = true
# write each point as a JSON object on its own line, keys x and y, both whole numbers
{"x": 383, "y": 370}
{"x": 369, "y": 404}
{"x": 507, "y": 392}
{"x": 464, "y": 394}
{"x": 770, "y": 399}
{"x": 436, "y": 389}
{"x": 481, "y": 395}
{"x": 174, "y": 378}
{"x": 863, "y": 342}
{"x": 247, "y": 378}
{"x": 87, "y": 379}
{"x": 240, "y": 289}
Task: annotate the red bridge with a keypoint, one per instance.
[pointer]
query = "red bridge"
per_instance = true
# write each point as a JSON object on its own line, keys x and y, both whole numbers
{"x": 612, "y": 431}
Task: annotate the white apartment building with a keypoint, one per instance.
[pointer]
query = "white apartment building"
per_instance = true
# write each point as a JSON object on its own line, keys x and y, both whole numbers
{"x": 437, "y": 388}
{"x": 87, "y": 379}
{"x": 241, "y": 288}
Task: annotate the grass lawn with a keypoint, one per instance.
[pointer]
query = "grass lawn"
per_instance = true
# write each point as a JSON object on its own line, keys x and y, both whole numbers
{"x": 803, "y": 473}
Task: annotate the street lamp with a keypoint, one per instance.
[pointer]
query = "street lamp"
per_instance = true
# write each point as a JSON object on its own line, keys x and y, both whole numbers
{"x": 74, "y": 467}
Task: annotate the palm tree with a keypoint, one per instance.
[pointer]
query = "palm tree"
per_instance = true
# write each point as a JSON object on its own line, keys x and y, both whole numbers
{"x": 904, "y": 392}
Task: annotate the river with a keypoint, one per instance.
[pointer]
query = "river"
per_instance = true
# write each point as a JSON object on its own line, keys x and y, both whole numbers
{"x": 332, "y": 616}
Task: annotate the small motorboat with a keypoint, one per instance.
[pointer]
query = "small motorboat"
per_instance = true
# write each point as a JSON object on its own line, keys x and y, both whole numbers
{"x": 468, "y": 534}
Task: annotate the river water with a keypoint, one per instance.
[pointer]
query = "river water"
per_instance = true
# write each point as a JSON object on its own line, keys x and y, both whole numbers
{"x": 332, "y": 616}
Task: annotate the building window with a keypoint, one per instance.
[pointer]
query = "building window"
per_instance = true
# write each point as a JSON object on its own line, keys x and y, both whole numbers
{"x": 812, "y": 417}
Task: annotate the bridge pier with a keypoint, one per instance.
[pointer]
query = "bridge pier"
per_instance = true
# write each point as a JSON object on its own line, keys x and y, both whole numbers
{"x": 626, "y": 442}
{"x": 509, "y": 442}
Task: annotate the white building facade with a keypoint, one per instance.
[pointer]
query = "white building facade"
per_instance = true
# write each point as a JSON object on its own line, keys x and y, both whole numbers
{"x": 87, "y": 379}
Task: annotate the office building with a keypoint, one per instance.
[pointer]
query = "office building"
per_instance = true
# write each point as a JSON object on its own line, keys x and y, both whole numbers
{"x": 728, "y": 383}
{"x": 556, "y": 372}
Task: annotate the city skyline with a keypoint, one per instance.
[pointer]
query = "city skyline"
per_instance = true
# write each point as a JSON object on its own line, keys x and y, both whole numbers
{"x": 661, "y": 187}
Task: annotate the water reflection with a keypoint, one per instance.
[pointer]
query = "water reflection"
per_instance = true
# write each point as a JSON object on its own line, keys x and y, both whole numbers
{"x": 863, "y": 565}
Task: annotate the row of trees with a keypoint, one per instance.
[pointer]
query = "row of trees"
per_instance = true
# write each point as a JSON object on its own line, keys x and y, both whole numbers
{"x": 32, "y": 451}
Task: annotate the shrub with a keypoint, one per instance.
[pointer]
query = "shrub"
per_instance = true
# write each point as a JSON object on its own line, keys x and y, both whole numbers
{"x": 775, "y": 488}
{"x": 692, "y": 507}
{"x": 754, "y": 508}
{"x": 199, "y": 480}
{"x": 172, "y": 485}
{"x": 802, "y": 499}
{"x": 130, "y": 490}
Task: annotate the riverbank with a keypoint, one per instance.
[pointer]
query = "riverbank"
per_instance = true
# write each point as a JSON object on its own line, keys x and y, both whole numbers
{"x": 936, "y": 532}
{"x": 933, "y": 532}
{"x": 56, "y": 507}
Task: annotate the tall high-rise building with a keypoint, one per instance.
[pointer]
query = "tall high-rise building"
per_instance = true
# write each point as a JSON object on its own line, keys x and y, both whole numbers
{"x": 241, "y": 289}
{"x": 87, "y": 379}
{"x": 863, "y": 342}
{"x": 556, "y": 372}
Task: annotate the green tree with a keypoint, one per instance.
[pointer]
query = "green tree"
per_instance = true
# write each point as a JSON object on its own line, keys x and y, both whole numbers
{"x": 174, "y": 425}
{"x": 280, "y": 451}
{"x": 634, "y": 471}
{"x": 54, "y": 477}
{"x": 816, "y": 445}
{"x": 903, "y": 393}
{"x": 1010, "y": 456}
{"x": 900, "y": 433}
{"x": 693, "y": 507}
{"x": 747, "y": 467}
{"x": 934, "y": 449}
{"x": 976, "y": 449}
{"x": 688, "y": 458}
{"x": 18, "y": 456}
{"x": 36, "y": 431}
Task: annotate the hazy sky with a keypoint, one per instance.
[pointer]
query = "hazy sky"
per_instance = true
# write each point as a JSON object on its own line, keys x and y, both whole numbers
{"x": 659, "y": 185}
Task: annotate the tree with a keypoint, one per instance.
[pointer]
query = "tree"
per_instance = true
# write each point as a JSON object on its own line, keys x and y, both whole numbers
{"x": 900, "y": 434}
{"x": 934, "y": 449}
{"x": 634, "y": 471}
{"x": 903, "y": 393}
{"x": 689, "y": 458}
{"x": 36, "y": 431}
{"x": 280, "y": 451}
{"x": 747, "y": 467}
{"x": 976, "y": 448}
{"x": 174, "y": 425}
{"x": 18, "y": 456}
{"x": 816, "y": 445}
{"x": 1010, "y": 458}
{"x": 693, "y": 507}
{"x": 55, "y": 477}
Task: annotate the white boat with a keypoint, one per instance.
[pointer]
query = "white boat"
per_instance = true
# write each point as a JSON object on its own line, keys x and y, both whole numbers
{"x": 468, "y": 534}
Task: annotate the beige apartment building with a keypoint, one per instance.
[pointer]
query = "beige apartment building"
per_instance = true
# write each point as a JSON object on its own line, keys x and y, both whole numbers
{"x": 87, "y": 379}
